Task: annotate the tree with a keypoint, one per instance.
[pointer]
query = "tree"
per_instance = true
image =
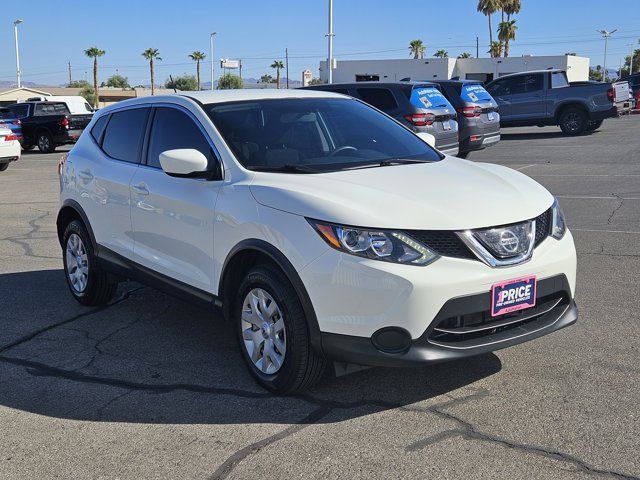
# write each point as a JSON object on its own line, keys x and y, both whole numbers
{"x": 79, "y": 84}
{"x": 465, "y": 55}
{"x": 627, "y": 63}
{"x": 278, "y": 65}
{"x": 152, "y": 54}
{"x": 229, "y": 81}
{"x": 117, "y": 81}
{"x": 488, "y": 8}
{"x": 510, "y": 7}
{"x": 316, "y": 81}
{"x": 198, "y": 57}
{"x": 506, "y": 32}
{"x": 266, "y": 78}
{"x": 441, "y": 54}
{"x": 496, "y": 49}
{"x": 186, "y": 83}
{"x": 571, "y": 54}
{"x": 88, "y": 93}
{"x": 417, "y": 49}
{"x": 95, "y": 52}
{"x": 595, "y": 74}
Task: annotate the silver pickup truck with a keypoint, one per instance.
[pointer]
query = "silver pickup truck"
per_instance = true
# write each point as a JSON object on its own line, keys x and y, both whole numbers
{"x": 545, "y": 97}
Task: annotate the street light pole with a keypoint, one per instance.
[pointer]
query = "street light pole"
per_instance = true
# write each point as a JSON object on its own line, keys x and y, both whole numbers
{"x": 330, "y": 46}
{"x": 212, "y": 57}
{"x": 15, "y": 33}
{"x": 606, "y": 34}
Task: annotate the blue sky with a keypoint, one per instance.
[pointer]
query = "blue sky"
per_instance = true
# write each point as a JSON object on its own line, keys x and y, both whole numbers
{"x": 54, "y": 33}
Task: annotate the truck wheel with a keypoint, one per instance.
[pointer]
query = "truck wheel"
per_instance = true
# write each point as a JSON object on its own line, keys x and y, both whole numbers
{"x": 594, "y": 125}
{"x": 573, "y": 121}
{"x": 4, "y": 166}
{"x": 463, "y": 154}
{"x": 89, "y": 284}
{"x": 45, "y": 143}
{"x": 273, "y": 332}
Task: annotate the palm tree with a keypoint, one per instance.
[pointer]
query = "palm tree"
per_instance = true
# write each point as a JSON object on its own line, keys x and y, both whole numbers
{"x": 511, "y": 7}
{"x": 197, "y": 57}
{"x": 95, "y": 52}
{"x": 488, "y": 8}
{"x": 277, "y": 64}
{"x": 507, "y": 32}
{"x": 266, "y": 78}
{"x": 441, "y": 54}
{"x": 152, "y": 54}
{"x": 464, "y": 55}
{"x": 417, "y": 49}
{"x": 496, "y": 49}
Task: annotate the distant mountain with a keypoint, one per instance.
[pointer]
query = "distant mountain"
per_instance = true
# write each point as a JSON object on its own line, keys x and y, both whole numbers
{"x": 13, "y": 84}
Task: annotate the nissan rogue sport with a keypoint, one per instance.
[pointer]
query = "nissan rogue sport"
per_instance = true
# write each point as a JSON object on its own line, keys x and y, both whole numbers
{"x": 323, "y": 229}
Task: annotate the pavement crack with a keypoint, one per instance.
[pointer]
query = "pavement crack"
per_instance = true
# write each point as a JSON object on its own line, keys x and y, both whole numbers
{"x": 227, "y": 467}
{"x": 615, "y": 210}
{"x": 21, "y": 240}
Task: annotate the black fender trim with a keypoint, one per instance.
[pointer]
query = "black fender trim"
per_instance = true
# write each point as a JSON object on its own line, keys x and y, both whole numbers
{"x": 69, "y": 203}
{"x": 280, "y": 259}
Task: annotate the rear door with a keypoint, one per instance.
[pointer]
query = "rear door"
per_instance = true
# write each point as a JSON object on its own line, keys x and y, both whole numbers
{"x": 173, "y": 217}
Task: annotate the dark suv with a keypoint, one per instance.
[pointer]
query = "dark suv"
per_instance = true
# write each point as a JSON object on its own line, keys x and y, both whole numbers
{"x": 478, "y": 117}
{"x": 421, "y": 106}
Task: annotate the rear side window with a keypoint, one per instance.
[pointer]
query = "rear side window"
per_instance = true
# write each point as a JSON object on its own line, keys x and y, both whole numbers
{"x": 172, "y": 129}
{"x": 98, "y": 128}
{"x": 558, "y": 80}
{"x": 21, "y": 111}
{"x": 51, "y": 109}
{"x": 474, "y": 93}
{"x": 533, "y": 83}
{"x": 381, "y": 98}
{"x": 124, "y": 133}
{"x": 5, "y": 114}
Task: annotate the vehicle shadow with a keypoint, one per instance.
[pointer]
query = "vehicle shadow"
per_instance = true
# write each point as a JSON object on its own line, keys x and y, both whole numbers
{"x": 148, "y": 358}
{"x": 505, "y": 135}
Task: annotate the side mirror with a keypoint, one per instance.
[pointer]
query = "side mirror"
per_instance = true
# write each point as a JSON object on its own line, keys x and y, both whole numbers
{"x": 185, "y": 163}
{"x": 427, "y": 138}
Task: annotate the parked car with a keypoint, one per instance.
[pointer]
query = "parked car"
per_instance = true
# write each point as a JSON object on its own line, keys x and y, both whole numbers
{"x": 76, "y": 104}
{"x": 48, "y": 124}
{"x": 546, "y": 98}
{"x": 421, "y": 106}
{"x": 478, "y": 117}
{"x": 9, "y": 148}
{"x": 323, "y": 229}
{"x": 9, "y": 120}
{"x": 634, "y": 82}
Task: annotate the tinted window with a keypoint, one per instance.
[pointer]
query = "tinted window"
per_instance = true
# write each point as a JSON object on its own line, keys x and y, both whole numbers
{"x": 21, "y": 111}
{"x": 381, "y": 98}
{"x": 533, "y": 83}
{"x": 6, "y": 114}
{"x": 173, "y": 129}
{"x": 51, "y": 109}
{"x": 321, "y": 134}
{"x": 123, "y": 135}
{"x": 558, "y": 80}
{"x": 98, "y": 128}
{"x": 507, "y": 86}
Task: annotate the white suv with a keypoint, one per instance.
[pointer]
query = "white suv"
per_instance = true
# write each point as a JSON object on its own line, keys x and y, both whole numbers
{"x": 323, "y": 229}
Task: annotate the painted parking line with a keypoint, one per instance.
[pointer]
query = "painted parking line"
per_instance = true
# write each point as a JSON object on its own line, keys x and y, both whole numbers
{"x": 585, "y": 197}
{"x": 628, "y": 232}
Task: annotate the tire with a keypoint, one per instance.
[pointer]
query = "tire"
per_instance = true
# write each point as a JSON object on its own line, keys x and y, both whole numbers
{"x": 89, "y": 284}
{"x": 28, "y": 148}
{"x": 45, "y": 142}
{"x": 283, "y": 330}
{"x": 594, "y": 125}
{"x": 4, "y": 166}
{"x": 463, "y": 154}
{"x": 573, "y": 121}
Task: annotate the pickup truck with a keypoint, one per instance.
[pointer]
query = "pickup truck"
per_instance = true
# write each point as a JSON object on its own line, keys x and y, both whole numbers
{"x": 545, "y": 97}
{"x": 48, "y": 124}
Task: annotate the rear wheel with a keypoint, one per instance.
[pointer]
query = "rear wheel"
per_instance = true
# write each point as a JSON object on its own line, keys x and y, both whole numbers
{"x": 463, "y": 154}
{"x": 594, "y": 125}
{"x": 573, "y": 121}
{"x": 273, "y": 333}
{"x": 4, "y": 166}
{"x": 45, "y": 142}
{"x": 89, "y": 284}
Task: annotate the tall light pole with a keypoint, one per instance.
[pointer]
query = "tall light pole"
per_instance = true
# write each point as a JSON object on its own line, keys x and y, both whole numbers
{"x": 330, "y": 46}
{"x": 606, "y": 34}
{"x": 212, "y": 57}
{"x": 15, "y": 33}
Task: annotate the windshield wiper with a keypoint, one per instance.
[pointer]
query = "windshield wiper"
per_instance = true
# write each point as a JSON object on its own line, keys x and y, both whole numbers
{"x": 287, "y": 168}
{"x": 400, "y": 161}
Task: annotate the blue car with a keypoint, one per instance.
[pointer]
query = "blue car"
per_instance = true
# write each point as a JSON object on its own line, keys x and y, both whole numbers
{"x": 8, "y": 118}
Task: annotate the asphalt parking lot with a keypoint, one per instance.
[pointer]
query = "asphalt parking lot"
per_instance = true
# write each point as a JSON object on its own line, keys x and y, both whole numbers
{"x": 150, "y": 387}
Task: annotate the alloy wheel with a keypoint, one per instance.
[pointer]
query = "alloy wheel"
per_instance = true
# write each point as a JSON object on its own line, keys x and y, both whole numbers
{"x": 43, "y": 143}
{"x": 573, "y": 122}
{"x": 263, "y": 331}
{"x": 77, "y": 263}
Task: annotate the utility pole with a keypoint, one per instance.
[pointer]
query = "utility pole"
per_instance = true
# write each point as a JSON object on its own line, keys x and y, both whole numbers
{"x": 240, "y": 67}
{"x": 477, "y": 47}
{"x": 286, "y": 65}
{"x": 633, "y": 50}
{"x": 69, "y": 63}
{"x": 15, "y": 33}
{"x": 212, "y": 57}
{"x": 330, "y": 45}
{"x": 606, "y": 34}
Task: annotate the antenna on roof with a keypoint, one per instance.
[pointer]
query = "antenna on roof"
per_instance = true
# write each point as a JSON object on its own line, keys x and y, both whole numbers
{"x": 174, "y": 85}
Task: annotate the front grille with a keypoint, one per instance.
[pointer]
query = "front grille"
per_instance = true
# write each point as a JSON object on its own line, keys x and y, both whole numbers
{"x": 443, "y": 242}
{"x": 543, "y": 226}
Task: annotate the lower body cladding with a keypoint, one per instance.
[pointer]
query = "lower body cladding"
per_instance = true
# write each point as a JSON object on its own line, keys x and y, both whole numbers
{"x": 381, "y": 314}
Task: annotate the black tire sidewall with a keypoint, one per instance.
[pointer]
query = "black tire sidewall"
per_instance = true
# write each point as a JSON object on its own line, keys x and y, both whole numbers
{"x": 583, "y": 116}
{"x": 79, "y": 229}
{"x": 4, "y": 166}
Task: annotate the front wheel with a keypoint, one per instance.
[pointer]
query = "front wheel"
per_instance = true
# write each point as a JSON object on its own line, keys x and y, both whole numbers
{"x": 573, "y": 121}
{"x": 273, "y": 332}
{"x": 45, "y": 142}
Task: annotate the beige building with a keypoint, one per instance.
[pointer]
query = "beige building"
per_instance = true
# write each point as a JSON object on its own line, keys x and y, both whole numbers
{"x": 107, "y": 95}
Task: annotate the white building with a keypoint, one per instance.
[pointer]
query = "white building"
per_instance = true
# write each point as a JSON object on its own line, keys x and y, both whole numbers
{"x": 483, "y": 69}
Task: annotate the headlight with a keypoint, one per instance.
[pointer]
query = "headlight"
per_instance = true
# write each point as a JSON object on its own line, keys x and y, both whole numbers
{"x": 558, "y": 225}
{"x": 385, "y": 245}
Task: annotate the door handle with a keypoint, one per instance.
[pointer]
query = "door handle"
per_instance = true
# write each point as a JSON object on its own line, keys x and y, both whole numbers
{"x": 85, "y": 175}
{"x": 140, "y": 189}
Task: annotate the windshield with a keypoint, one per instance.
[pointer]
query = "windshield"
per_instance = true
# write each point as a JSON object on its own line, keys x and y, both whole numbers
{"x": 475, "y": 93}
{"x": 428, "y": 97}
{"x": 312, "y": 135}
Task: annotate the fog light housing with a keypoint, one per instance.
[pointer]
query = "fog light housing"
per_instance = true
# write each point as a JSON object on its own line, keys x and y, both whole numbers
{"x": 391, "y": 340}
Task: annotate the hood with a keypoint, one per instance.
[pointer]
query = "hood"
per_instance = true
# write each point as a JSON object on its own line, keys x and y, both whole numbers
{"x": 452, "y": 194}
